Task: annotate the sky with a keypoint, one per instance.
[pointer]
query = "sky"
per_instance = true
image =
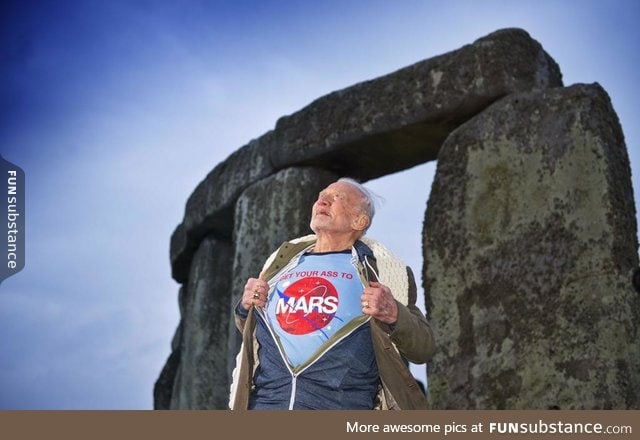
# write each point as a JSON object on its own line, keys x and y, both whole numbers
{"x": 117, "y": 110}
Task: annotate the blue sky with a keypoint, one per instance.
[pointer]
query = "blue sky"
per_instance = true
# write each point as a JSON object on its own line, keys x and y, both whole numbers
{"x": 116, "y": 110}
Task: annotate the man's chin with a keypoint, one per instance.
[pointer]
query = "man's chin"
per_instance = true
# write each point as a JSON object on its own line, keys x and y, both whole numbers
{"x": 318, "y": 226}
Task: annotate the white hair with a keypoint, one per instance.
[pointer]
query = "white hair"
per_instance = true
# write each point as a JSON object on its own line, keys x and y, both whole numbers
{"x": 370, "y": 198}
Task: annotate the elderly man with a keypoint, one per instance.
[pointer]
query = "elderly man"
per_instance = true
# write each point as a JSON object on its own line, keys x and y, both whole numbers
{"x": 331, "y": 321}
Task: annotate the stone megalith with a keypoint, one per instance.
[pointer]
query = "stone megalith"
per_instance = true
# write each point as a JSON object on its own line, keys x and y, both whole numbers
{"x": 201, "y": 381}
{"x": 529, "y": 244}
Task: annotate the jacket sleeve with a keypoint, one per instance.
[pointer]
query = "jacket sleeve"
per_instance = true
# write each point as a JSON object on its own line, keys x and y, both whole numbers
{"x": 412, "y": 333}
{"x": 240, "y": 317}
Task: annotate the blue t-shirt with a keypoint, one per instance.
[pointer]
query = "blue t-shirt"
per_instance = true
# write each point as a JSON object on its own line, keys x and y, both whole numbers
{"x": 311, "y": 303}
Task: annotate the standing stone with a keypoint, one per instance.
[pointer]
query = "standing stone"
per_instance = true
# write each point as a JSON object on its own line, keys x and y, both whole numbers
{"x": 163, "y": 387}
{"x": 530, "y": 242}
{"x": 268, "y": 213}
{"x": 201, "y": 381}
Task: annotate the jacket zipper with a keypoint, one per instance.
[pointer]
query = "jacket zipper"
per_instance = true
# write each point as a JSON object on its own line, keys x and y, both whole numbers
{"x": 292, "y": 398}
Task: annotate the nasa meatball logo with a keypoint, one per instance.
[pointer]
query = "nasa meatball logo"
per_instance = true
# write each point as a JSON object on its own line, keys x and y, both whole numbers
{"x": 307, "y": 305}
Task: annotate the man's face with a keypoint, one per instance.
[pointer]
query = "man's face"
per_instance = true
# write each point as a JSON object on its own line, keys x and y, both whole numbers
{"x": 339, "y": 209}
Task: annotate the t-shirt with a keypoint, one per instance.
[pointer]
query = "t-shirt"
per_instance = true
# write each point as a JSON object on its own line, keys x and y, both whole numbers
{"x": 314, "y": 305}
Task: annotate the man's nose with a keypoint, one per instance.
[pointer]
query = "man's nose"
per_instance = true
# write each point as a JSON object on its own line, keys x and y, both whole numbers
{"x": 323, "y": 200}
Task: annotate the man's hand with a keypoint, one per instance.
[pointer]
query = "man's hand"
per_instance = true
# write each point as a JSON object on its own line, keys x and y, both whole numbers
{"x": 378, "y": 302}
{"x": 255, "y": 293}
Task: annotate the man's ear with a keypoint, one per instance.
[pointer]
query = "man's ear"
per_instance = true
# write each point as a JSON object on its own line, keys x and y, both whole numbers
{"x": 361, "y": 222}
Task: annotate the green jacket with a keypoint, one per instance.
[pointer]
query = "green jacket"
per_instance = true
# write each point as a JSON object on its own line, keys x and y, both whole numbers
{"x": 410, "y": 340}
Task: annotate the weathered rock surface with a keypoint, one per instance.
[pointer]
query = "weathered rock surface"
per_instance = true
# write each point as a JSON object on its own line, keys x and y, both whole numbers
{"x": 530, "y": 241}
{"x": 163, "y": 387}
{"x": 201, "y": 380}
{"x": 371, "y": 129}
